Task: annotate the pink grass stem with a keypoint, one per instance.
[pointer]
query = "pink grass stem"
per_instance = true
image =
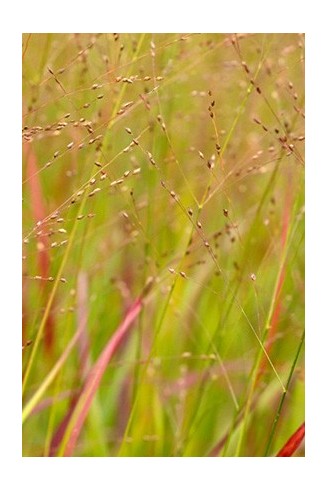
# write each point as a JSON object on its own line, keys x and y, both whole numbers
{"x": 94, "y": 377}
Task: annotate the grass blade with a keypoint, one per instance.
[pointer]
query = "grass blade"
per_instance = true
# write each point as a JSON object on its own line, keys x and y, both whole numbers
{"x": 93, "y": 380}
{"x": 293, "y": 442}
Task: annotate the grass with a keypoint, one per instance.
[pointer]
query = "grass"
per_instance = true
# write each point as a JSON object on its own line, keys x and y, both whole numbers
{"x": 163, "y": 245}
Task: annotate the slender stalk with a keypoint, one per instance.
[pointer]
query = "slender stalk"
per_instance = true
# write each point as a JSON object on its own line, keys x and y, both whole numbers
{"x": 49, "y": 378}
{"x": 283, "y": 396}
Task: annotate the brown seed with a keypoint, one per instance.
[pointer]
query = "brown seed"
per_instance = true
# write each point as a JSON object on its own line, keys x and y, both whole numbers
{"x": 116, "y": 182}
{"x": 182, "y": 274}
{"x": 98, "y": 164}
{"x": 190, "y": 212}
{"x": 225, "y": 212}
{"x": 128, "y": 130}
{"x": 199, "y": 225}
{"x": 244, "y": 65}
{"x": 127, "y": 104}
{"x": 100, "y": 96}
{"x": 70, "y": 145}
{"x": 86, "y": 105}
{"x": 94, "y": 192}
{"x": 56, "y": 154}
{"x": 27, "y": 343}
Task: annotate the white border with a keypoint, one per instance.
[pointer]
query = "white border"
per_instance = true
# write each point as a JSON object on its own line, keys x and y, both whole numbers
{"x": 168, "y": 16}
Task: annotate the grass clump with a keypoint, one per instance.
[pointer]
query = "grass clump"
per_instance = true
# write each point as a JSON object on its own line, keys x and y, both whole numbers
{"x": 163, "y": 244}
